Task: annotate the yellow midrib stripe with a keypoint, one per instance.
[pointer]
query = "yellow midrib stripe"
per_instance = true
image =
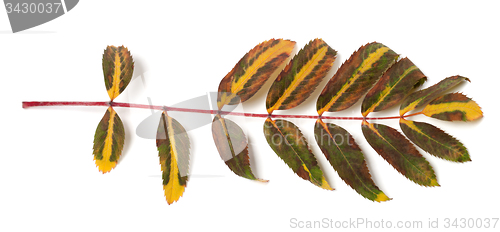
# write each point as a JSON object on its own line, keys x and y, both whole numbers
{"x": 345, "y": 158}
{"x": 116, "y": 77}
{"x": 104, "y": 164}
{"x": 173, "y": 185}
{"x": 299, "y": 76}
{"x": 386, "y": 91}
{"x": 471, "y": 111}
{"x": 254, "y": 67}
{"x": 418, "y": 169}
{"x": 365, "y": 66}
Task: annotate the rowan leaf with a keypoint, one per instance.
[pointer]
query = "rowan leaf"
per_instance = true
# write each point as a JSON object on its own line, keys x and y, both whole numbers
{"x": 355, "y": 77}
{"x": 108, "y": 141}
{"x": 232, "y": 145}
{"x": 392, "y": 87}
{"x": 347, "y": 159}
{"x": 453, "y": 107}
{"x": 252, "y": 71}
{"x": 173, "y": 146}
{"x": 424, "y": 96}
{"x": 400, "y": 153}
{"x": 290, "y": 145}
{"x": 301, "y": 76}
{"x": 118, "y": 67}
{"x": 434, "y": 141}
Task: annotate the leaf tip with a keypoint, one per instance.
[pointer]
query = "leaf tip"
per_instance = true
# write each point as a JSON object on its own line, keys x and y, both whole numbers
{"x": 381, "y": 197}
{"x": 173, "y": 192}
{"x": 325, "y": 185}
{"x": 105, "y": 166}
{"x": 434, "y": 183}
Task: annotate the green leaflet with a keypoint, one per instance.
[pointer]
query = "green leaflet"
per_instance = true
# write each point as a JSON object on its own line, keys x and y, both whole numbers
{"x": 108, "y": 141}
{"x": 392, "y": 87}
{"x": 453, "y": 107}
{"x": 117, "y": 67}
{"x": 434, "y": 141}
{"x": 232, "y": 145}
{"x": 173, "y": 146}
{"x": 346, "y": 158}
{"x": 355, "y": 77}
{"x": 301, "y": 76}
{"x": 424, "y": 96}
{"x": 291, "y": 146}
{"x": 400, "y": 153}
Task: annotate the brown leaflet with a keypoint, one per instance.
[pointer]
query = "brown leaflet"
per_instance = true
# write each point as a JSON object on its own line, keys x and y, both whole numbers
{"x": 392, "y": 87}
{"x": 400, "y": 153}
{"x": 301, "y": 76}
{"x": 252, "y": 71}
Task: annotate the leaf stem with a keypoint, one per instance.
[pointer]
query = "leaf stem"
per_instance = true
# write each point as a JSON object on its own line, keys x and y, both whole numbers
{"x": 142, "y": 106}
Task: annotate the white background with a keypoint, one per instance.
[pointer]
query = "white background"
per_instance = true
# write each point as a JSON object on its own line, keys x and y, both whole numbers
{"x": 48, "y": 179}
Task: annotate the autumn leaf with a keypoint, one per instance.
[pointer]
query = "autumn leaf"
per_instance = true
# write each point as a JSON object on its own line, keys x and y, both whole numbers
{"x": 434, "y": 141}
{"x": 424, "y": 96}
{"x": 355, "y": 77}
{"x": 392, "y": 87}
{"x": 252, "y": 71}
{"x": 291, "y": 146}
{"x": 118, "y": 67}
{"x": 108, "y": 141}
{"x": 301, "y": 76}
{"x": 347, "y": 159}
{"x": 173, "y": 146}
{"x": 453, "y": 107}
{"x": 400, "y": 153}
{"x": 232, "y": 145}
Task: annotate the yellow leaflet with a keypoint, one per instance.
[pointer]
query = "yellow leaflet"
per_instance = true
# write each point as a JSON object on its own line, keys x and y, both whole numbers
{"x": 114, "y": 91}
{"x": 388, "y": 90}
{"x": 104, "y": 164}
{"x": 173, "y": 189}
{"x": 299, "y": 77}
{"x": 471, "y": 109}
{"x": 365, "y": 66}
{"x": 282, "y": 46}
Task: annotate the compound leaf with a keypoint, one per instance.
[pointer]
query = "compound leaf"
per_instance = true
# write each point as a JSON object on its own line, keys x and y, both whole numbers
{"x": 424, "y": 96}
{"x": 291, "y": 146}
{"x": 434, "y": 141}
{"x": 252, "y": 71}
{"x": 347, "y": 159}
{"x": 118, "y": 67}
{"x": 301, "y": 76}
{"x": 453, "y": 107}
{"x": 232, "y": 145}
{"x": 355, "y": 77}
{"x": 173, "y": 145}
{"x": 392, "y": 87}
{"x": 400, "y": 153}
{"x": 108, "y": 141}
